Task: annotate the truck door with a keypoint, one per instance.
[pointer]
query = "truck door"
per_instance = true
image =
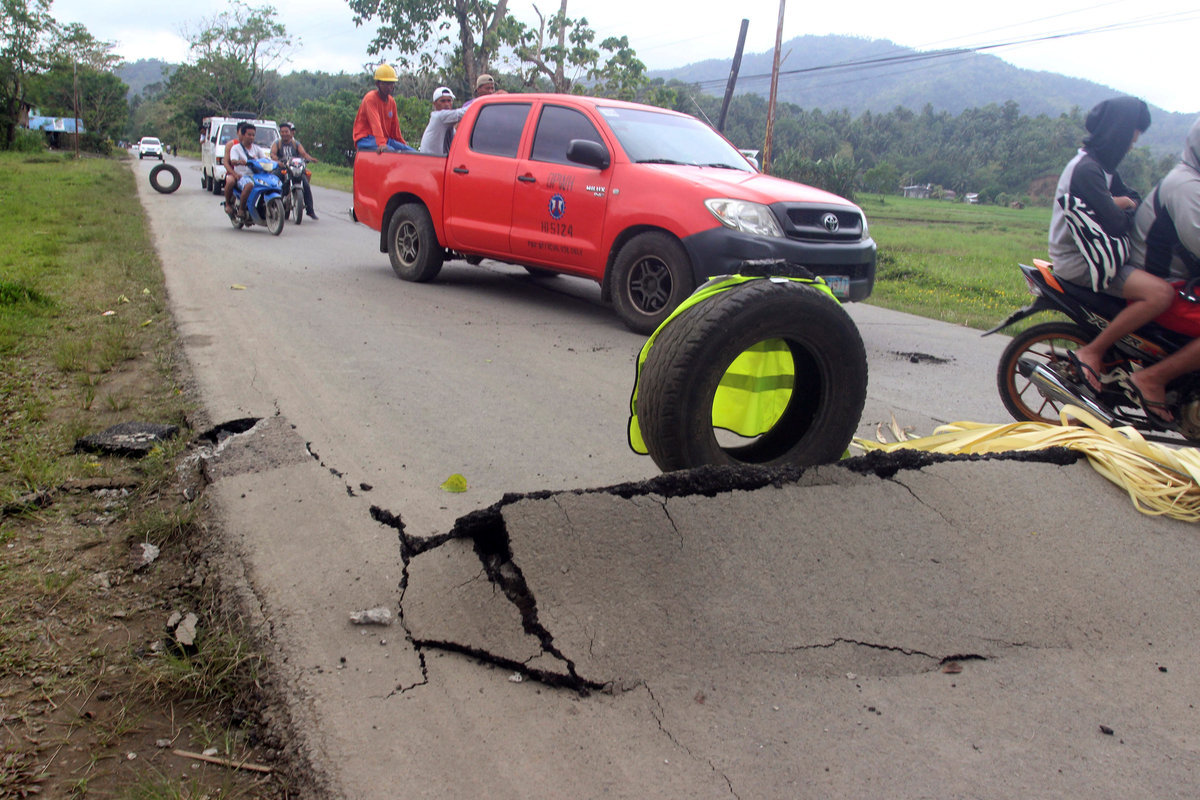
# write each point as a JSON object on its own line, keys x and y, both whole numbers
{"x": 480, "y": 178}
{"x": 558, "y": 205}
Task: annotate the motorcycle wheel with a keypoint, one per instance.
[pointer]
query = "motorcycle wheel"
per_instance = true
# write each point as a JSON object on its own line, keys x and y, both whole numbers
{"x": 680, "y": 376}
{"x": 236, "y": 221}
{"x": 275, "y": 216}
{"x": 297, "y": 206}
{"x": 1047, "y": 343}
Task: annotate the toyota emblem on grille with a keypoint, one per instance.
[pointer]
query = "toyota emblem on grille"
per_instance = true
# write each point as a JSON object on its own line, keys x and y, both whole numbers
{"x": 830, "y": 221}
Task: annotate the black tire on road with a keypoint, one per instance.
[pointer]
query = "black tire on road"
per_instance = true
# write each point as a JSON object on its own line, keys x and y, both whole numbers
{"x": 217, "y": 186}
{"x": 297, "y": 206}
{"x": 651, "y": 276}
{"x": 275, "y": 216}
{"x": 165, "y": 188}
{"x": 412, "y": 244}
{"x": 204, "y": 180}
{"x": 1048, "y": 344}
{"x": 680, "y": 377}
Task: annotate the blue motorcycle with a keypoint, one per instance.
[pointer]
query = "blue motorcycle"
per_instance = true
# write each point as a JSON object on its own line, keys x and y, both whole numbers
{"x": 264, "y": 206}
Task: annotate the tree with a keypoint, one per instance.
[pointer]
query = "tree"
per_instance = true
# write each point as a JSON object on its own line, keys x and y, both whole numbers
{"x": 559, "y": 45}
{"x": 103, "y": 108}
{"x": 420, "y": 30}
{"x": 235, "y": 55}
{"x": 27, "y": 34}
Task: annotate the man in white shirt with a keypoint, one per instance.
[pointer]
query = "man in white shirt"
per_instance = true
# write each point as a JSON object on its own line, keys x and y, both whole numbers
{"x": 442, "y": 120}
{"x": 239, "y": 158}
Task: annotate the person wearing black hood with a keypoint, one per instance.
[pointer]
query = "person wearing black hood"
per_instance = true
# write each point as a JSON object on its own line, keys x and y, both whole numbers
{"x": 1091, "y": 177}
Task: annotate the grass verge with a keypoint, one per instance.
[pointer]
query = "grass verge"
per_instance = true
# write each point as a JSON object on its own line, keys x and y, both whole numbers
{"x": 95, "y": 700}
{"x": 953, "y": 261}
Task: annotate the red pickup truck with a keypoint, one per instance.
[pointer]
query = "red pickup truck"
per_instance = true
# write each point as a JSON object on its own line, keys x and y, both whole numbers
{"x": 650, "y": 203}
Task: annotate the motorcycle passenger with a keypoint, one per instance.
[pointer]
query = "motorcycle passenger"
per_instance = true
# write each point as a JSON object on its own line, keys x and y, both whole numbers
{"x": 287, "y": 147}
{"x": 1166, "y": 241}
{"x": 239, "y": 158}
{"x": 231, "y": 177}
{"x": 1091, "y": 176}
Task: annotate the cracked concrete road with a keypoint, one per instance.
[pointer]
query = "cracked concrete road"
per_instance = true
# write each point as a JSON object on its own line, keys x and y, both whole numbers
{"x": 958, "y": 629}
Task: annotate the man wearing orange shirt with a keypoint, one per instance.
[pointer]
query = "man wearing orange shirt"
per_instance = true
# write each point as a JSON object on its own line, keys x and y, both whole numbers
{"x": 377, "y": 124}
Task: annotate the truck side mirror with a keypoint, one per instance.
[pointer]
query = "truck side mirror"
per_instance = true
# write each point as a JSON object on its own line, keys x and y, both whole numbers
{"x": 588, "y": 153}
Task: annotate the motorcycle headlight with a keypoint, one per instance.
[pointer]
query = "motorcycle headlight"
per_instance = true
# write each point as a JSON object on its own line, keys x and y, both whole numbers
{"x": 744, "y": 216}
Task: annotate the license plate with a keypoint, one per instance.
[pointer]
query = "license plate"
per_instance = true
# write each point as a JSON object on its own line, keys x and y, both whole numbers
{"x": 839, "y": 285}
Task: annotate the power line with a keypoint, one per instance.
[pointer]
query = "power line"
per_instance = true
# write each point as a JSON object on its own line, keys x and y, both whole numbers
{"x": 884, "y": 61}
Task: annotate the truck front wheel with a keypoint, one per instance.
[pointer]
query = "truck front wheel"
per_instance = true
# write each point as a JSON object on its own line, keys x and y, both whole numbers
{"x": 412, "y": 244}
{"x": 651, "y": 276}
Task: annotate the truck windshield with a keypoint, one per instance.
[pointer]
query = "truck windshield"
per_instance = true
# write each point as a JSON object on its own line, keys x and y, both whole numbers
{"x": 649, "y": 137}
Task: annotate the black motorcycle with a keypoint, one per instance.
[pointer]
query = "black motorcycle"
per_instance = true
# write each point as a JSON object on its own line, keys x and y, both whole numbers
{"x": 1037, "y": 375}
{"x": 293, "y": 174}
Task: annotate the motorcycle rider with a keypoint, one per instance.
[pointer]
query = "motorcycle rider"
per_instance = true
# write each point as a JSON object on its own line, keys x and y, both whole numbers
{"x": 287, "y": 147}
{"x": 1113, "y": 127}
{"x": 240, "y": 156}
{"x": 1166, "y": 241}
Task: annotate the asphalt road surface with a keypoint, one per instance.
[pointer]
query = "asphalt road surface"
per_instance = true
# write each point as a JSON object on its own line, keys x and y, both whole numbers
{"x": 789, "y": 642}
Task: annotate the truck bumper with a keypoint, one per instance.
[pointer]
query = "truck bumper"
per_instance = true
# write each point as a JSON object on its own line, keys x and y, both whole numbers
{"x": 719, "y": 251}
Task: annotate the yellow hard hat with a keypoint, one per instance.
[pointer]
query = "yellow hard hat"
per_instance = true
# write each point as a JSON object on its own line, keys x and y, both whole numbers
{"x": 384, "y": 72}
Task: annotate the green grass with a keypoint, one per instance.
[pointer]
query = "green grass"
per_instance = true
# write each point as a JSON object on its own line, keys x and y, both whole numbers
{"x": 952, "y": 261}
{"x": 76, "y": 290}
{"x": 331, "y": 177}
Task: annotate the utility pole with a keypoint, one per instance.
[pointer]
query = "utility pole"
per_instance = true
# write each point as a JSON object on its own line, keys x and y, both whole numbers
{"x": 733, "y": 74}
{"x": 766, "y": 154}
{"x": 75, "y": 104}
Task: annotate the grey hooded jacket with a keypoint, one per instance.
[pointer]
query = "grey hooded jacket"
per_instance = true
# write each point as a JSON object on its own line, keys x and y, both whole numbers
{"x": 1166, "y": 236}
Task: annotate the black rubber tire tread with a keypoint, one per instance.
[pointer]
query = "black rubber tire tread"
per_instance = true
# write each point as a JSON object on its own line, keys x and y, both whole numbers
{"x": 418, "y": 258}
{"x": 685, "y": 365}
{"x": 650, "y": 245}
{"x": 297, "y": 207}
{"x": 167, "y": 188}
{"x": 275, "y": 216}
{"x": 1016, "y": 392}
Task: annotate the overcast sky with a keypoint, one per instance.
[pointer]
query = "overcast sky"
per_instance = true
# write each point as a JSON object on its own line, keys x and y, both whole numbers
{"x": 1142, "y": 48}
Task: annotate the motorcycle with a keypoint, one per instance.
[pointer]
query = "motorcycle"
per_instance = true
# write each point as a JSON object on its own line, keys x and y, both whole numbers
{"x": 293, "y": 189}
{"x": 1037, "y": 375}
{"x": 264, "y": 206}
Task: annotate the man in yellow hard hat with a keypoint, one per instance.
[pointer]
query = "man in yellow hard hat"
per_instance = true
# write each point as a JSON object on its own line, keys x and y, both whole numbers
{"x": 377, "y": 124}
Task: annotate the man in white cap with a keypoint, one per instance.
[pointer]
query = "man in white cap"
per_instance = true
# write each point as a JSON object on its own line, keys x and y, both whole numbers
{"x": 442, "y": 120}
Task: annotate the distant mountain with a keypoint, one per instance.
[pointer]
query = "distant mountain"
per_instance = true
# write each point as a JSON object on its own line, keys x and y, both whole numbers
{"x": 900, "y": 76}
{"x": 139, "y": 74}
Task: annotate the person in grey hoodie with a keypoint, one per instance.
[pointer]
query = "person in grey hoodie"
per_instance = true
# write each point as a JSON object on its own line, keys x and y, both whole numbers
{"x": 1113, "y": 127}
{"x": 1166, "y": 241}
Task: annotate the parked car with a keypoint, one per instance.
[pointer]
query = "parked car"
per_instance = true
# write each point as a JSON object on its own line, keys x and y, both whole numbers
{"x": 149, "y": 146}
{"x": 215, "y": 133}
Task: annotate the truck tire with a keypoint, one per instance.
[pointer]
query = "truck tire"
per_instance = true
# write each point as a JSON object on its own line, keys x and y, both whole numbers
{"x": 156, "y": 182}
{"x": 651, "y": 276}
{"x": 681, "y": 373}
{"x": 412, "y": 244}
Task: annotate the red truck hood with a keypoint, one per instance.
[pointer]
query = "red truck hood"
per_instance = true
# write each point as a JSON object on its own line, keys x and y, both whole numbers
{"x": 752, "y": 186}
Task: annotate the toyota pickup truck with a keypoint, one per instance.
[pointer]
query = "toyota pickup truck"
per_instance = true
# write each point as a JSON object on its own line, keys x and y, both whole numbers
{"x": 649, "y": 203}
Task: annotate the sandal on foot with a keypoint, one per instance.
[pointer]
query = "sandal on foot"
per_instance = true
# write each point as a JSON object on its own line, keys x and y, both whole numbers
{"x": 1086, "y": 373}
{"x": 1148, "y": 406}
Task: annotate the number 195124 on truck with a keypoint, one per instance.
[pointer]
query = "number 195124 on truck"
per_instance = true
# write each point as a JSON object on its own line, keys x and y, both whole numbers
{"x": 649, "y": 203}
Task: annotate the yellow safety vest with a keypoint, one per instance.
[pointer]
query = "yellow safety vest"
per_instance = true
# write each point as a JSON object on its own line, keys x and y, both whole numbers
{"x": 754, "y": 391}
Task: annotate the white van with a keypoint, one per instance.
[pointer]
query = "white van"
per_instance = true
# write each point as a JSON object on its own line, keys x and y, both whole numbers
{"x": 215, "y": 133}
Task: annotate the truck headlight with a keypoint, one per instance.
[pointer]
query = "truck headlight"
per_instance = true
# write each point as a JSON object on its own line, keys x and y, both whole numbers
{"x": 744, "y": 216}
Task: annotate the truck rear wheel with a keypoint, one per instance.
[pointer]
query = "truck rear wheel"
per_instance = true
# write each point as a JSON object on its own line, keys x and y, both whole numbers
{"x": 651, "y": 276}
{"x": 685, "y": 366}
{"x": 412, "y": 244}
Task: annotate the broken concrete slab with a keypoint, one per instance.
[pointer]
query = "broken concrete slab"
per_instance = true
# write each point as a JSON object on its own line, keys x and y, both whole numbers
{"x": 134, "y": 439}
{"x": 250, "y": 445}
{"x": 792, "y": 636}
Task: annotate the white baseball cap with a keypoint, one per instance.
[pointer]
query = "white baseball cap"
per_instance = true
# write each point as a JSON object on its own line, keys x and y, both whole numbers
{"x": 442, "y": 91}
